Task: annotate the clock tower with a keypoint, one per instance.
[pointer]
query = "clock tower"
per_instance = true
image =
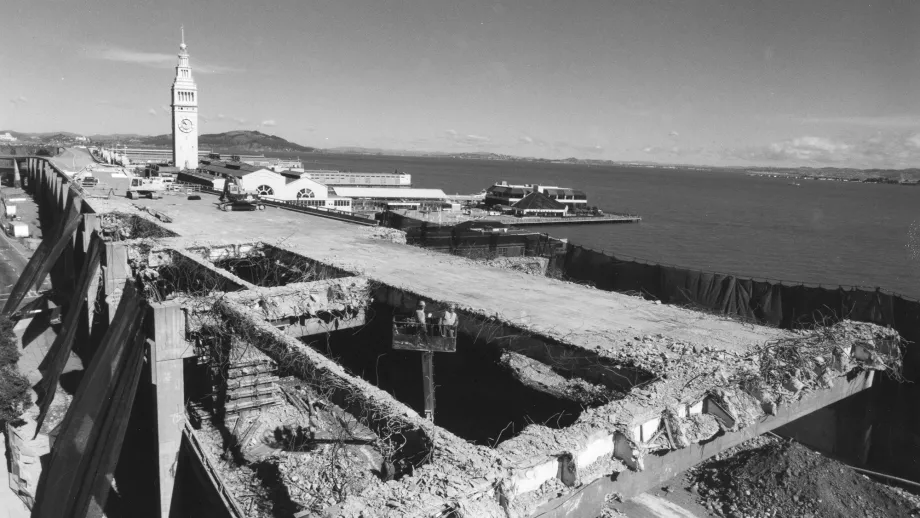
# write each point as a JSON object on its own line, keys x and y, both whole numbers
{"x": 184, "y": 113}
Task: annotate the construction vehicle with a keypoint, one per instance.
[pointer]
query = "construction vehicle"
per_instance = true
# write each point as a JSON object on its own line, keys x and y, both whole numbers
{"x": 235, "y": 197}
{"x": 152, "y": 187}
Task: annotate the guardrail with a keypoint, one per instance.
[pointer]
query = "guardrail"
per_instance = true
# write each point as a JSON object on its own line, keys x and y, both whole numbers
{"x": 329, "y": 214}
{"x": 411, "y": 335}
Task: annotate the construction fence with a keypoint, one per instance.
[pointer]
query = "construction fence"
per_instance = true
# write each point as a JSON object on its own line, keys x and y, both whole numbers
{"x": 890, "y": 423}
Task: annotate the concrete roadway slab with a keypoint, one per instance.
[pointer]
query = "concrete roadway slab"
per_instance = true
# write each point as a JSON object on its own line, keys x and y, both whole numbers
{"x": 569, "y": 312}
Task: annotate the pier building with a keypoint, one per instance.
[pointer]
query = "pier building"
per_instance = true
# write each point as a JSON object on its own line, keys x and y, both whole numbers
{"x": 503, "y": 193}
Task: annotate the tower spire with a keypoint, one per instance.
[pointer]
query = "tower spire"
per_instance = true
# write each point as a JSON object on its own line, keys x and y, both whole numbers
{"x": 182, "y": 28}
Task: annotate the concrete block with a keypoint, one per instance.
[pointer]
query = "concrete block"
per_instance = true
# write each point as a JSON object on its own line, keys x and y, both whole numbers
{"x": 600, "y": 445}
{"x": 530, "y": 479}
{"x": 649, "y": 428}
{"x": 696, "y": 408}
{"x": 861, "y": 352}
{"x": 624, "y": 450}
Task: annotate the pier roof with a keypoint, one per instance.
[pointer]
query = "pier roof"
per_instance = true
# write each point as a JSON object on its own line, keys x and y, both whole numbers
{"x": 389, "y": 193}
{"x": 538, "y": 201}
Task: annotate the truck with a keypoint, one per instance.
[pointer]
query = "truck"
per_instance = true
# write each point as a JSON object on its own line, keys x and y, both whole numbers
{"x": 152, "y": 187}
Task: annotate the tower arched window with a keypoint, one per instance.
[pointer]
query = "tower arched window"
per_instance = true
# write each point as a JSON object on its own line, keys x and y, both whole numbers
{"x": 265, "y": 190}
{"x": 304, "y": 194}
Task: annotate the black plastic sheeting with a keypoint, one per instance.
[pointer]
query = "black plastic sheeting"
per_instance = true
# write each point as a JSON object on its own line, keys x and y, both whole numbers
{"x": 894, "y": 422}
{"x": 79, "y": 476}
{"x": 772, "y": 303}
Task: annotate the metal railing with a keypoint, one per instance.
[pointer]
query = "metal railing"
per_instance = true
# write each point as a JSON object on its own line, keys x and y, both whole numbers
{"x": 409, "y": 334}
{"x": 323, "y": 213}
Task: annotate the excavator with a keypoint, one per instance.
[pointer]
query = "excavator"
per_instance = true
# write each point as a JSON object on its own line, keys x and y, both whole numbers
{"x": 235, "y": 197}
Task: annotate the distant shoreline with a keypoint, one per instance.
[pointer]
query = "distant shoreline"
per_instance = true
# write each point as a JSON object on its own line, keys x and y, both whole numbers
{"x": 909, "y": 177}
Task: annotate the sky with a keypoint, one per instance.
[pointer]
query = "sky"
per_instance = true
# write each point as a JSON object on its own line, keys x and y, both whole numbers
{"x": 737, "y": 82}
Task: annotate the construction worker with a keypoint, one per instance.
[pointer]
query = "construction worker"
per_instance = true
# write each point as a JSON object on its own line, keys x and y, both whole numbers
{"x": 422, "y": 317}
{"x": 449, "y": 321}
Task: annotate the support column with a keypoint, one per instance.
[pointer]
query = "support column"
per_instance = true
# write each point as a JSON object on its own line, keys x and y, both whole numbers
{"x": 90, "y": 225}
{"x": 168, "y": 375}
{"x": 17, "y": 180}
{"x": 116, "y": 271}
{"x": 428, "y": 383}
{"x": 30, "y": 169}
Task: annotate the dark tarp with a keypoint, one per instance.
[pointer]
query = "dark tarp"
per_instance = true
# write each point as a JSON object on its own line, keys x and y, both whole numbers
{"x": 895, "y": 429}
{"x": 78, "y": 478}
{"x": 766, "y": 302}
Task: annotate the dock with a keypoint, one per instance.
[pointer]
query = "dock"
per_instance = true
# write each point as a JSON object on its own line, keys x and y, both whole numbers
{"x": 453, "y": 218}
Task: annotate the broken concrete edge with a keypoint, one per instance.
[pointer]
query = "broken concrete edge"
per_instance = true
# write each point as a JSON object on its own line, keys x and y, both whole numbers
{"x": 304, "y": 298}
{"x": 627, "y": 432}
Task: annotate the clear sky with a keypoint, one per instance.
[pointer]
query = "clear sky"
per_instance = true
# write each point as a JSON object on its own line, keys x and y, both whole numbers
{"x": 803, "y": 82}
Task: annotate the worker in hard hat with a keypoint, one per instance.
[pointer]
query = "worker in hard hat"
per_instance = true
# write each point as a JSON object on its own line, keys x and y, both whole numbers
{"x": 422, "y": 317}
{"x": 449, "y": 321}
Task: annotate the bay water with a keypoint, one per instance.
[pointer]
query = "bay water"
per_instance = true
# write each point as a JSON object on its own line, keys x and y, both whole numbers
{"x": 820, "y": 232}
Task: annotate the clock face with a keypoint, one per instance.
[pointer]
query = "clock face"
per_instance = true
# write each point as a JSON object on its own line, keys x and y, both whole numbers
{"x": 186, "y": 125}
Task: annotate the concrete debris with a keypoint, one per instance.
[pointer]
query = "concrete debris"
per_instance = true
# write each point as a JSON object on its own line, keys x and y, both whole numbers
{"x": 540, "y": 376}
{"x": 771, "y": 477}
{"x": 529, "y": 265}
{"x": 306, "y": 298}
{"x": 386, "y": 234}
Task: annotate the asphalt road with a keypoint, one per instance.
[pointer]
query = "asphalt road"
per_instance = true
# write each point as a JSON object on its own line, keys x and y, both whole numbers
{"x": 12, "y": 263}
{"x": 73, "y": 159}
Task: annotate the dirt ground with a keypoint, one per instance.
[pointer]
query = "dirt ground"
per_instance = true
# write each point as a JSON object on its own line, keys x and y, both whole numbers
{"x": 785, "y": 479}
{"x": 768, "y": 477}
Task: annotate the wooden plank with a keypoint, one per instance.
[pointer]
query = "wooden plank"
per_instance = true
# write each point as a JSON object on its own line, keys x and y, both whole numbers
{"x": 60, "y": 350}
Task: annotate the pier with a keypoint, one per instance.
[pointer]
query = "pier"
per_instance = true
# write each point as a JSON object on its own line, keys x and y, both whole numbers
{"x": 618, "y": 393}
{"x": 454, "y": 218}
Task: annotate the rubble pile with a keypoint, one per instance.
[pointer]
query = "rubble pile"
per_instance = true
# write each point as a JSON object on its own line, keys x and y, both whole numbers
{"x": 280, "y": 466}
{"x": 529, "y": 265}
{"x": 386, "y": 234}
{"x": 785, "y": 479}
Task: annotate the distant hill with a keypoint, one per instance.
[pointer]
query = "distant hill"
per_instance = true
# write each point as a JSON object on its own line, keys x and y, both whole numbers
{"x": 121, "y": 137}
{"x": 249, "y": 141}
{"x": 49, "y": 135}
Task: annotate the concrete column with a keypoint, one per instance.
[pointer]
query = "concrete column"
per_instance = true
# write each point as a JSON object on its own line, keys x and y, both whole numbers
{"x": 17, "y": 180}
{"x": 116, "y": 271}
{"x": 167, "y": 373}
{"x": 91, "y": 224}
{"x": 59, "y": 195}
{"x": 64, "y": 193}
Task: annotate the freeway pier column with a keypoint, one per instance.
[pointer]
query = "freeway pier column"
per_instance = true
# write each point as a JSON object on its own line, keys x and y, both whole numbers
{"x": 166, "y": 363}
{"x": 117, "y": 272}
{"x": 17, "y": 180}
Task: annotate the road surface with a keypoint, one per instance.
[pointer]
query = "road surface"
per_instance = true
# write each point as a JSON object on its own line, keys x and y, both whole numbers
{"x": 73, "y": 159}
